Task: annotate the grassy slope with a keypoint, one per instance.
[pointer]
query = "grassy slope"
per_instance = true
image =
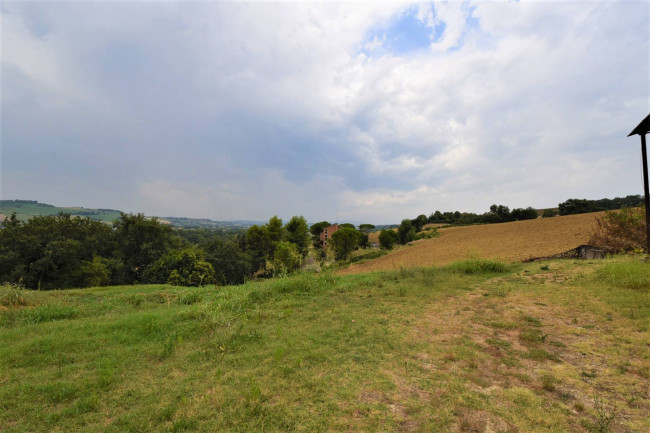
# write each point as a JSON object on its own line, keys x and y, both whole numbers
{"x": 471, "y": 347}
{"x": 513, "y": 241}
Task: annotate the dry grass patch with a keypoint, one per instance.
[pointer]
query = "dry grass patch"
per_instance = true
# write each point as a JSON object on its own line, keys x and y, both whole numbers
{"x": 514, "y": 241}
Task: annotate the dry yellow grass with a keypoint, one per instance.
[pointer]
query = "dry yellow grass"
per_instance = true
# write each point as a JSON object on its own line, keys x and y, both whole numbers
{"x": 515, "y": 241}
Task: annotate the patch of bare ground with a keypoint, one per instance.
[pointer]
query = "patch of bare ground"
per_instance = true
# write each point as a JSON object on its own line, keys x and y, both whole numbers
{"x": 514, "y": 241}
{"x": 493, "y": 352}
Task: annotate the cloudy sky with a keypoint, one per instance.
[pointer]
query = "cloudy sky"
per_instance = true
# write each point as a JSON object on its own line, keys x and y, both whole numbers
{"x": 341, "y": 111}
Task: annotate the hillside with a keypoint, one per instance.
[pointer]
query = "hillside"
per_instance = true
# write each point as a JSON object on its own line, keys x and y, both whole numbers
{"x": 478, "y": 346}
{"x": 25, "y": 209}
{"x": 513, "y": 241}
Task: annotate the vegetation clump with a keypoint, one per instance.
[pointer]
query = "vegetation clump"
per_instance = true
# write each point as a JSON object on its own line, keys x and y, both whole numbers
{"x": 620, "y": 231}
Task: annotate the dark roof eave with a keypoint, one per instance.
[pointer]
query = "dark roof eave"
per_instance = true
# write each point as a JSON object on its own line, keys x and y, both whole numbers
{"x": 642, "y": 128}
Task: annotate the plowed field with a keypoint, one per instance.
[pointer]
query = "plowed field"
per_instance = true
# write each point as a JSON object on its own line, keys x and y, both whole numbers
{"x": 515, "y": 241}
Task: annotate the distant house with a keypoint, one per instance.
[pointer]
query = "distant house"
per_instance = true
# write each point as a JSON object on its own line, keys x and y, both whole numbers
{"x": 327, "y": 233}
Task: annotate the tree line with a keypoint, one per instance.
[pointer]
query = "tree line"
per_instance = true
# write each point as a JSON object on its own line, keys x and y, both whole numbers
{"x": 61, "y": 251}
{"x": 580, "y": 205}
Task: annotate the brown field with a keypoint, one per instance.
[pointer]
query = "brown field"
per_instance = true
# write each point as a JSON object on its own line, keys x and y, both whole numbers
{"x": 511, "y": 242}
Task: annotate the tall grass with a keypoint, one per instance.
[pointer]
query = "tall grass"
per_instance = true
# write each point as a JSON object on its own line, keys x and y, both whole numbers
{"x": 631, "y": 274}
{"x": 478, "y": 266}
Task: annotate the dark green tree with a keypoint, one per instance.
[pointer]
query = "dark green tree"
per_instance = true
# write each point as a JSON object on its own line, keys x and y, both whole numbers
{"x": 231, "y": 264}
{"x": 297, "y": 232}
{"x": 387, "y": 239}
{"x": 140, "y": 242}
{"x": 405, "y": 232}
{"x": 344, "y": 241}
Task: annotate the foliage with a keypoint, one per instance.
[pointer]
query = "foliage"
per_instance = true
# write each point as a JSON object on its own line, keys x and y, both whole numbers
{"x": 185, "y": 267}
{"x": 620, "y": 231}
{"x": 140, "y": 242}
{"x": 47, "y": 251}
{"x": 387, "y": 239}
{"x": 419, "y": 222}
{"x": 286, "y": 258}
{"x": 549, "y": 213}
{"x": 576, "y": 206}
{"x": 405, "y": 232}
{"x": 344, "y": 241}
{"x": 231, "y": 264}
{"x": 366, "y": 228}
{"x": 297, "y": 233}
{"x": 347, "y": 225}
{"x": 317, "y": 229}
{"x": 13, "y": 295}
{"x": 364, "y": 240}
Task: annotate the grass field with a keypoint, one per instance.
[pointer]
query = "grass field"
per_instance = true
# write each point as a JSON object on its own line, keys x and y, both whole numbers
{"x": 478, "y": 346}
{"x": 514, "y": 241}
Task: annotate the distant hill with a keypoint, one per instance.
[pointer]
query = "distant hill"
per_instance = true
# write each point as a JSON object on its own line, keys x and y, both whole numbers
{"x": 26, "y": 209}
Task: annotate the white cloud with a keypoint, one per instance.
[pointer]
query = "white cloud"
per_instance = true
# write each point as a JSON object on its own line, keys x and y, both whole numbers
{"x": 244, "y": 110}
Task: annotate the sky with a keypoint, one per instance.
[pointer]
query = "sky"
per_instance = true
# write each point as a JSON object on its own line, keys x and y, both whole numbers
{"x": 340, "y": 111}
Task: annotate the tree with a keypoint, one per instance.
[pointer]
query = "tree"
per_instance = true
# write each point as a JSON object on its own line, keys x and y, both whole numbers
{"x": 419, "y": 222}
{"x": 259, "y": 244}
{"x": 182, "y": 268}
{"x": 231, "y": 264}
{"x": 286, "y": 258}
{"x": 405, "y": 232}
{"x": 275, "y": 229}
{"x": 520, "y": 214}
{"x": 388, "y": 239}
{"x": 49, "y": 252}
{"x": 317, "y": 229}
{"x": 140, "y": 242}
{"x": 344, "y": 241}
{"x": 298, "y": 234}
{"x": 366, "y": 228}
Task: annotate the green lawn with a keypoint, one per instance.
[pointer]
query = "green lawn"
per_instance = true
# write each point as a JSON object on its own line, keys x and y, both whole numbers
{"x": 477, "y": 346}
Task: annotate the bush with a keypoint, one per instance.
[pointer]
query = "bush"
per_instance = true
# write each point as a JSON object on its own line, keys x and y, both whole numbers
{"x": 14, "y": 295}
{"x": 405, "y": 232}
{"x": 388, "y": 239}
{"x": 286, "y": 258}
{"x": 620, "y": 231}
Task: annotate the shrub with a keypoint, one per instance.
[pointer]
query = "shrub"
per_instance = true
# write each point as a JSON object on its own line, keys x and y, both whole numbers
{"x": 620, "y": 231}
{"x": 13, "y": 295}
{"x": 388, "y": 239}
{"x": 286, "y": 258}
{"x": 405, "y": 232}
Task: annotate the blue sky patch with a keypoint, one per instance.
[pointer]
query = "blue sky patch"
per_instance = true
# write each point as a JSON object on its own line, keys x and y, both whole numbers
{"x": 406, "y": 33}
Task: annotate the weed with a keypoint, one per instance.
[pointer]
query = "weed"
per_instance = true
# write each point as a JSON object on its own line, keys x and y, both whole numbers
{"x": 532, "y": 321}
{"x": 14, "y": 295}
{"x": 478, "y": 266}
{"x": 632, "y": 275}
{"x": 604, "y": 415}
{"x": 48, "y": 313}
{"x": 548, "y": 382}
{"x": 532, "y": 336}
{"x": 190, "y": 297}
{"x": 538, "y": 354}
